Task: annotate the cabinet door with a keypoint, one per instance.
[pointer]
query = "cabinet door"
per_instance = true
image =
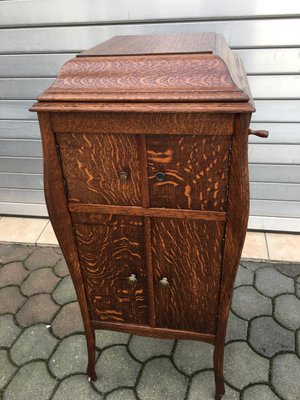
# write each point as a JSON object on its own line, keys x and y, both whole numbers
{"x": 100, "y": 168}
{"x": 187, "y": 258}
{"x": 189, "y": 172}
{"x": 111, "y": 252}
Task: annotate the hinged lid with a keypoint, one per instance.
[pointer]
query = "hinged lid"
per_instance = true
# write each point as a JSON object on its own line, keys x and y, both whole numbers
{"x": 196, "y": 67}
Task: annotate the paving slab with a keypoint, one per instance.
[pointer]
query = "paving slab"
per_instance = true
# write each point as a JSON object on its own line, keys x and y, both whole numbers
{"x": 12, "y": 274}
{"x": 291, "y": 270}
{"x": 271, "y": 282}
{"x": 42, "y": 257}
{"x": 61, "y": 268}
{"x": 243, "y": 366}
{"x": 70, "y": 357}
{"x": 67, "y": 321}
{"x": 36, "y": 342}
{"x": 65, "y": 293}
{"x": 105, "y": 338}
{"x": 11, "y": 299}
{"x": 39, "y": 281}
{"x": 191, "y": 356}
{"x": 203, "y": 388}
{"x": 9, "y": 331}
{"x": 298, "y": 287}
{"x": 285, "y": 376}
{"x": 247, "y": 303}
{"x": 122, "y": 394}
{"x": 268, "y": 337}
{"x": 160, "y": 380}
{"x": 38, "y": 308}
{"x": 236, "y": 329}
{"x": 7, "y": 369}
{"x": 76, "y": 387}
{"x": 12, "y": 252}
{"x": 31, "y": 382}
{"x": 244, "y": 276}
{"x": 259, "y": 392}
{"x": 287, "y": 311}
{"x": 115, "y": 367}
{"x": 144, "y": 348}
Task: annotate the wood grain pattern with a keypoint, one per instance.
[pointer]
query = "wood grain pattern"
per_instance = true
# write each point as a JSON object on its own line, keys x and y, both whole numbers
{"x": 196, "y": 170}
{"x": 91, "y": 166}
{"x": 142, "y": 123}
{"x": 110, "y": 251}
{"x": 188, "y": 254}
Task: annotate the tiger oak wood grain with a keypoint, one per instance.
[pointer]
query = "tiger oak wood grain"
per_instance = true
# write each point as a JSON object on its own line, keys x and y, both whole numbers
{"x": 91, "y": 166}
{"x": 196, "y": 170}
{"x": 180, "y": 105}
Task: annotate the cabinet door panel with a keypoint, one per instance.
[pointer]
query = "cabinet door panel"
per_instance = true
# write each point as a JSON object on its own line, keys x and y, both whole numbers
{"x": 188, "y": 253}
{"x": 91, "y": 166}
{"x": 110, "y": 249}
{"x": 196, "y": 171}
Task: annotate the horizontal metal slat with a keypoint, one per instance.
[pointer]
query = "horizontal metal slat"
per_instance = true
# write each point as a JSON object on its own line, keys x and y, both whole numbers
{"x": 21, "y": 164}
{"x": 21, "y": 181}
{"x": 275, "y": 86}
{"x": 20, "y": 147}
{"x": 256, "y": 61}
{"x": 274, "y": 191}
{"x": 23, "y": 209}
{"x": 239, "y": 34}
{"x": 88, "y": 11}
{"x": 266, "y": 110}
{"x": 275, "y": 208}
{"x": 12, "y": 129}
{"x": 22, "y": 196}
{"x": 278, "y": 133}
{"x": 274, "y": 224}
{"x": 274, "y": 154}
{"x": 274, "y": 173}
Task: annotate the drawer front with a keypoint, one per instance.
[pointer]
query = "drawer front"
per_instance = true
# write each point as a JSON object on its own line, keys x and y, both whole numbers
{"x": 189, "y": 172}
{"x": 101, "y": 169}
{"x": 111, "y": 252}
{"x": 187, "y": 258}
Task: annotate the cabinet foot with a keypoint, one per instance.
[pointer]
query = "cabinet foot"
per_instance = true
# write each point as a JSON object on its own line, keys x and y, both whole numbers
{"x": 219, "y": 395}
{"x": 91, "y": 373}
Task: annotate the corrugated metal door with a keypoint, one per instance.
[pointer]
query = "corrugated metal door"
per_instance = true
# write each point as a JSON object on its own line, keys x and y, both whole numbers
{"x": 37, "y": 37}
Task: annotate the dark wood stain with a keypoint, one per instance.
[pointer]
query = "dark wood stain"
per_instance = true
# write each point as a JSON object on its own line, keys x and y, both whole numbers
{"x": 150, "y": 254}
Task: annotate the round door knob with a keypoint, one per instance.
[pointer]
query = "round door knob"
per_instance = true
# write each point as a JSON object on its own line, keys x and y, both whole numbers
{"x": 160, "y": 176}
{"x": 132, "y": 279}
{"x": 123, "y": 176}
{"x": 164, "y": 282}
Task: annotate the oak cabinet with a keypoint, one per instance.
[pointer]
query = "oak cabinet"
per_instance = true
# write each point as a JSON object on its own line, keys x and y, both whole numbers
{"x": 146, "y": 184}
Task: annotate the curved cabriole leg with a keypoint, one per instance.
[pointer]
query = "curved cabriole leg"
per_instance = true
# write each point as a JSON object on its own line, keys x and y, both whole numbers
{"x": 57, "y": 205}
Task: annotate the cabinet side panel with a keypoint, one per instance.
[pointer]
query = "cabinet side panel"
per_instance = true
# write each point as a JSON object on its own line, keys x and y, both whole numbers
{"x": 111, "y": 250}
{"x": 188, "y": 253}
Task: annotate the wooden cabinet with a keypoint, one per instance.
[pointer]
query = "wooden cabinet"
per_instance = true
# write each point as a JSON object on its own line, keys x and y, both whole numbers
{"x": 146, "y": 183}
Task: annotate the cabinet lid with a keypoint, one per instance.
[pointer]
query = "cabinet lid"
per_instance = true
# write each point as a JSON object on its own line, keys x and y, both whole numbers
{"x": 198, "y": 67}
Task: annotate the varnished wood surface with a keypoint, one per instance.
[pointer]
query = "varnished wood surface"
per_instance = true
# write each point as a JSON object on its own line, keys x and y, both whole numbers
{"x": 89, "y": 212}
{"x": 144, "y": 330}
{"x": 91, "y": 166}
{"x": 143, "y": 123}
{"x": 195, "y": 168}
{"x": 188, "y": 253}
{"x": 110, "y": 250}
{"x": 145, "y": 107}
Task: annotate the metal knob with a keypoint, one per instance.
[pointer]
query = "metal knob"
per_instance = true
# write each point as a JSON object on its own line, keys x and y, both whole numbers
{"x": 132, "y": 279}
{"x": 164, "y": 282}
{"x": 123, "y": 176}
{"x": 160, "y": 176}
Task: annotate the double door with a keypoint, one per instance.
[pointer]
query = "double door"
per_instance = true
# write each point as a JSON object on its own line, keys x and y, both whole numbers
{"x": 155, "y": 262}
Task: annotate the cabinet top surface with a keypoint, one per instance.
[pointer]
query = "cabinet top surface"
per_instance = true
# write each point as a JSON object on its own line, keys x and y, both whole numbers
{"x": 185, "y": 68}
{"x": 154, "y": 44}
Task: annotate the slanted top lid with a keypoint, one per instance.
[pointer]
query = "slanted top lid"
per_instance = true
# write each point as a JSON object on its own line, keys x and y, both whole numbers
{"x": 196, "y": 67}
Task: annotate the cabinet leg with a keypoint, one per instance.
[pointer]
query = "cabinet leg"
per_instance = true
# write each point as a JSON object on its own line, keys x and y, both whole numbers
{"x": 91, "y": 348}
{"x": 218, "y": 369}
